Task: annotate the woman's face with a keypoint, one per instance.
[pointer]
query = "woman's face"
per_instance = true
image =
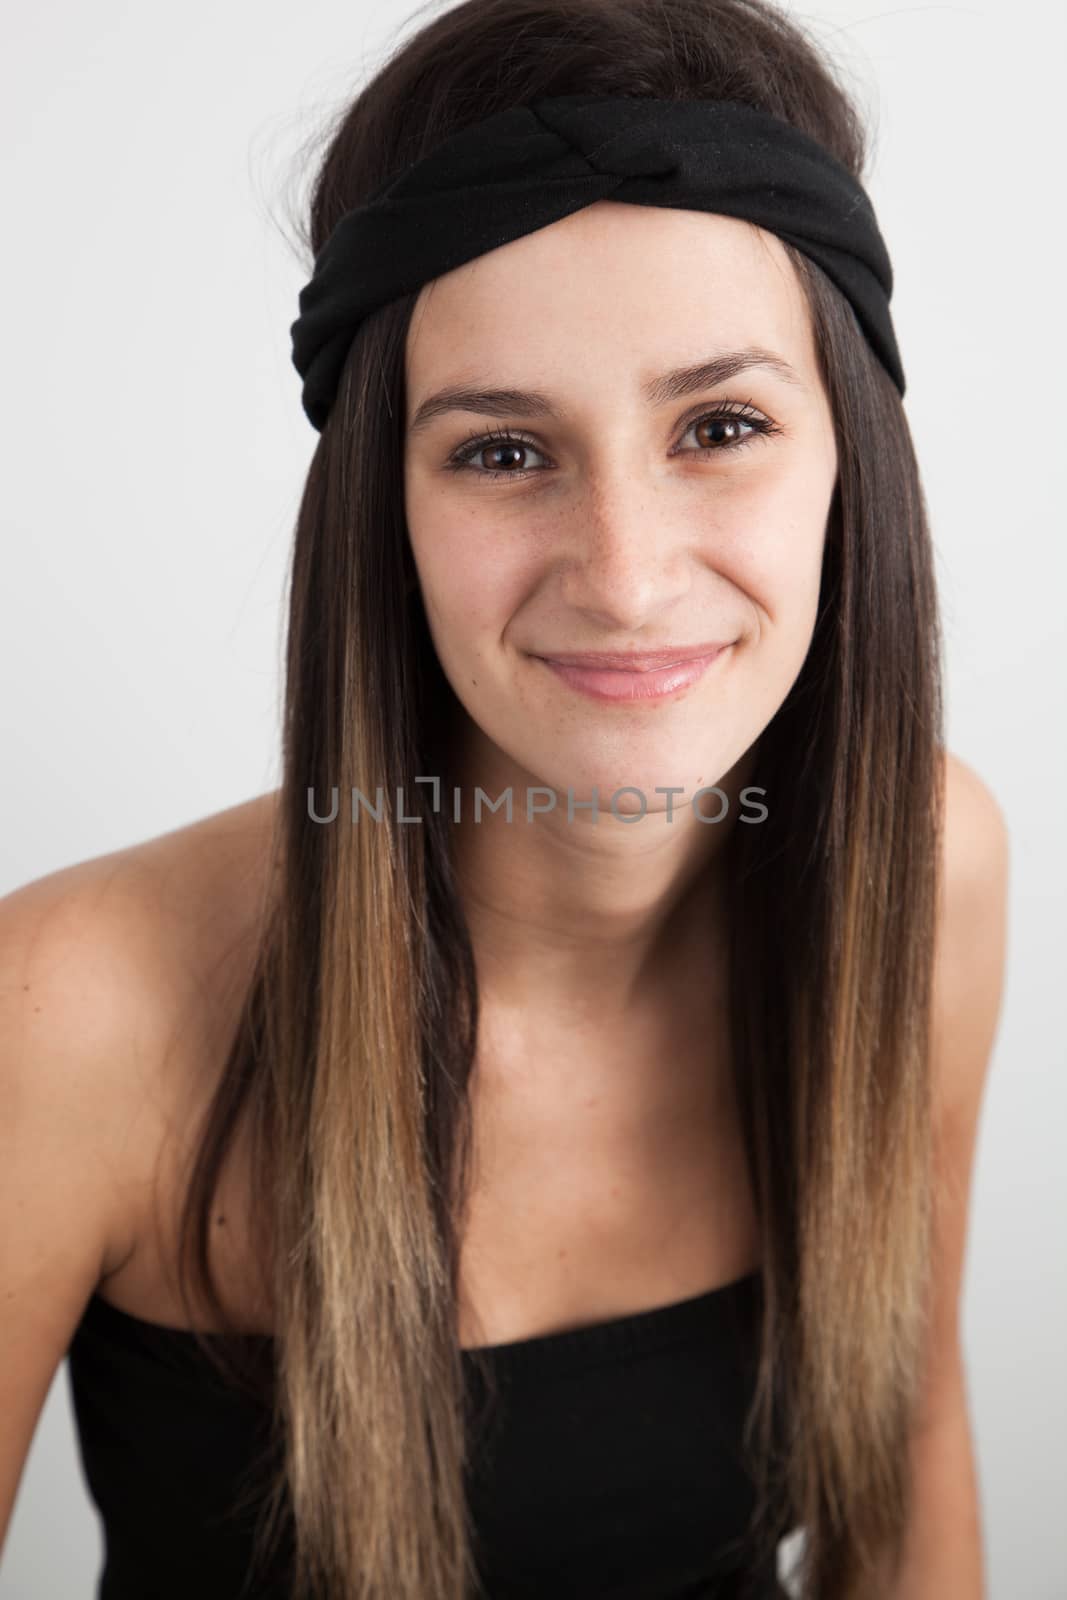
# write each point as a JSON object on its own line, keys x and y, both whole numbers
{"x": 629, "y": 511}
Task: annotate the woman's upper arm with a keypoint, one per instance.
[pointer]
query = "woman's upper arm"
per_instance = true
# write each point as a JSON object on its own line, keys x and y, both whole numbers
{"x": 968, "y": 990}
{"x": 65, "y": 948}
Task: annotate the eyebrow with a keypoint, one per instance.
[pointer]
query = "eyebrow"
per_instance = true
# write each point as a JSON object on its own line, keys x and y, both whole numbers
{"x": 673, "y": 385}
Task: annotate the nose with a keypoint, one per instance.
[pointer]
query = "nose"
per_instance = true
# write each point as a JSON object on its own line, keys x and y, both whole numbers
{"x": 626, "y": 566}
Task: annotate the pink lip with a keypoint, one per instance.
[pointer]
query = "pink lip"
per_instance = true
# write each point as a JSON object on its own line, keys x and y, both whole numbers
{"x": 635, "y": 660}
{"x": 646, "y": 682}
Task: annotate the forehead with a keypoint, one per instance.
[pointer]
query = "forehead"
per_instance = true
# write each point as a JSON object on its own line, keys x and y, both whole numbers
{"x": 611, "y": 284}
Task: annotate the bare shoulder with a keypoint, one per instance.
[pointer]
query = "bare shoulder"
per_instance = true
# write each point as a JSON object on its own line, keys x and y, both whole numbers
{"x": 971, "y": 935}
{"x": 976, "y": 831}
{"x": 119, "y": 977}
{"x": 968, "y": 983}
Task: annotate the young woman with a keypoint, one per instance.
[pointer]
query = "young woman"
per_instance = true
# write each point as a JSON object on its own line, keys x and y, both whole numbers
{"x": 528, "y": 1153}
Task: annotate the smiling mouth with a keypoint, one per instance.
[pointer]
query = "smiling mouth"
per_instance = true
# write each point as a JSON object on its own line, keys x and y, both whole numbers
{"x": 633, "y": 683}
{"x": 636, "y": 660}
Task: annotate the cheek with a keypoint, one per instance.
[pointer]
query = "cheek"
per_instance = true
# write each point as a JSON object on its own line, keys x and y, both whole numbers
{"x": 769, "y": 544}
{"x": 471, "y": 587}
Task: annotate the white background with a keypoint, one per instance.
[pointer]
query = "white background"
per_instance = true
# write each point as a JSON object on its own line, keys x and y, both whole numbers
{"x": 155, "y": 449}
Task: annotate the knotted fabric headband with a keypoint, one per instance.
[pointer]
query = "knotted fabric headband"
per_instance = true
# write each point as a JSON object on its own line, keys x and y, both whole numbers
{"x": 529, "y": 166}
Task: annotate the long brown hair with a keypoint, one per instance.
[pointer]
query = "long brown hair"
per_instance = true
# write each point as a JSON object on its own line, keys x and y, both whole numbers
{"x": 351, "y": 1060}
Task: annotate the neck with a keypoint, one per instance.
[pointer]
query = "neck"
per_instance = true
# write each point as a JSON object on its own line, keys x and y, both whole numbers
{"x": 582, "y": 920}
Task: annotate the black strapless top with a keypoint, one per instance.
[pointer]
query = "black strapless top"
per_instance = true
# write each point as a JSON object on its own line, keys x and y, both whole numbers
{"x": 612, "y": 1469}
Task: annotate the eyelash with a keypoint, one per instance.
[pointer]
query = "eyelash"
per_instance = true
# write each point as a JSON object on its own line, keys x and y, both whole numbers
{"x": 461, "y": 459}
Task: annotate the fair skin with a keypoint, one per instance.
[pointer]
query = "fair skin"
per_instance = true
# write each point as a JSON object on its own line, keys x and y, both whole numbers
{"x": 620, "y": 535}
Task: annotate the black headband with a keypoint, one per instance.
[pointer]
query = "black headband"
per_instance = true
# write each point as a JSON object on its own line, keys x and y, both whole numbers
{"x": 528, "y": 166}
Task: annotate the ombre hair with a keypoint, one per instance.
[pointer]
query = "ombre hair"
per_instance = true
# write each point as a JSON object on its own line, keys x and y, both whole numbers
{"x": 351, "y": 1059}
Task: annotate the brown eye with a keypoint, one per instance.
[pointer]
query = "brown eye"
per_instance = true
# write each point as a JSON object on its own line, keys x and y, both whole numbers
{"x": 504, "y": 452}
{"x": 731, "y": 427}
{"x": 503, "y": 457}
{"x": 719, "y": 431}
